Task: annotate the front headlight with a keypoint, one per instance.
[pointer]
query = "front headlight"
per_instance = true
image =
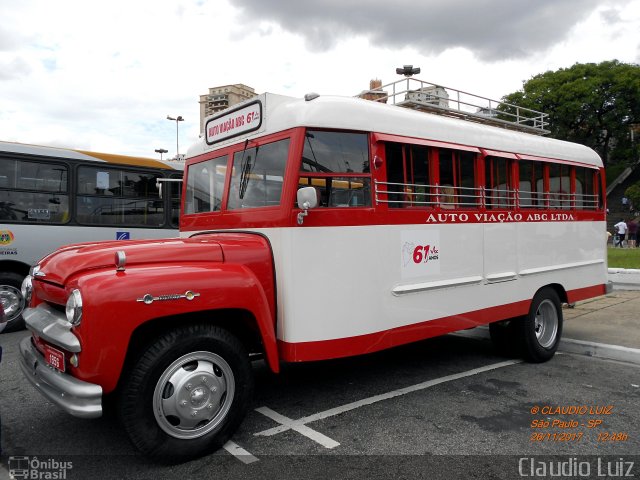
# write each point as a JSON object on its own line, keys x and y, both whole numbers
{"x": 74, "y": 308}
{"x": 27, "y": 289}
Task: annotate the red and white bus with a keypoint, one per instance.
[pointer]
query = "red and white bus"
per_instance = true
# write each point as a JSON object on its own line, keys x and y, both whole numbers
{"x": 54, "y": 196}
{"x": 314, "y": 229}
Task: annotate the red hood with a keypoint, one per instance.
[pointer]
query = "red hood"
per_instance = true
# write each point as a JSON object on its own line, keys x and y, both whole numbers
{"x": 72, "y": 259}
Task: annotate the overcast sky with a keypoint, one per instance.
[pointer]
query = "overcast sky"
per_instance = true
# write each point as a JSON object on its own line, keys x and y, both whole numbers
{"x": 103, "y": 76}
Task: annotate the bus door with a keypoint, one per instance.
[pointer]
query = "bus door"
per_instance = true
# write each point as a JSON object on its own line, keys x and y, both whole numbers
{"x": 500, "y": 220}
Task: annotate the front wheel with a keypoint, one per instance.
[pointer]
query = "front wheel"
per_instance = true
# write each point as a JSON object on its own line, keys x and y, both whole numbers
{"x": 187, "y": 393}
{"x": 12, "y": 300}
{"x": 538, "y": 333}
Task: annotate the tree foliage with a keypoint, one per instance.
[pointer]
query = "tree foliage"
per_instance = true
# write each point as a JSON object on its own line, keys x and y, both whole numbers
{"x": 592, "y": 104}
{"x": 633, "y": 194}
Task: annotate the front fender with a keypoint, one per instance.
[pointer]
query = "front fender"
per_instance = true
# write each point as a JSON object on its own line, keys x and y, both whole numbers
{"x": 117, "y": 307}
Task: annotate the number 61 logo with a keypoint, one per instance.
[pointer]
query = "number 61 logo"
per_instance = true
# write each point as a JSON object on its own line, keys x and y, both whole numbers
{"x": 422, "y": 254}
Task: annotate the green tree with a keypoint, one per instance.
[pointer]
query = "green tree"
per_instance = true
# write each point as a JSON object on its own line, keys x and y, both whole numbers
{"x": 592, "y": 104}
{"x": 633, "y": 194}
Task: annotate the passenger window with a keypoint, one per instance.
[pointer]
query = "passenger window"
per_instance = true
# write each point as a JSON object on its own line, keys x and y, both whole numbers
{"x": 408, "y": 176}
{"x": 559, "y": 186}
{"x": 457, "y": 172}
{"x": 531, "y": 185}
{"x": 499, "y": 192}
{"x": 34, "y": 192}
{"x": 337, "y": 165}
{"x": 109, "y": 196}
{"x": 585, "y": 194}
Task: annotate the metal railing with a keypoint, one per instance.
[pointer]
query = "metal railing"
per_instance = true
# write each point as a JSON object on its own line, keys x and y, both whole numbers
{"x": 425, "y": 96}
{"x": 401, "y": 195}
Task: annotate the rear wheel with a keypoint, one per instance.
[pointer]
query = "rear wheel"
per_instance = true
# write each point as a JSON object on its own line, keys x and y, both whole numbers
{"x": 187, "y": 393}
{"x": 12, "y": 300}
{"x": 538, "y": 333}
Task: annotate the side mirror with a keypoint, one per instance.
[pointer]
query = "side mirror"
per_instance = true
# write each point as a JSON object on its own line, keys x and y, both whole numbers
{"x": 307, "y": 198}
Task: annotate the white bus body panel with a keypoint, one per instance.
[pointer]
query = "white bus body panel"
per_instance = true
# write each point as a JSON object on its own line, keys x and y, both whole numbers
{"x": 342, "y": 282}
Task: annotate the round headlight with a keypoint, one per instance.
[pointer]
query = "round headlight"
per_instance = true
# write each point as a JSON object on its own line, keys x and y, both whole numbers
{"x": 27, "y": 289}
{"x": 74, "y": 308}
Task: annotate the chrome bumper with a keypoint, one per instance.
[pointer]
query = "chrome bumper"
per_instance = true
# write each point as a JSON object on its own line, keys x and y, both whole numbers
{"x": 80, "y": 399}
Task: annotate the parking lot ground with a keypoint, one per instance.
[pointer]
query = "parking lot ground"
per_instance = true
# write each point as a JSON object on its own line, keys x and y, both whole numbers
{"x": 447, "y": 407}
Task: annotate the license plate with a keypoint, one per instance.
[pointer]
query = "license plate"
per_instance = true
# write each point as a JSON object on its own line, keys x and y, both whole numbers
{"x": 54, "y": 357}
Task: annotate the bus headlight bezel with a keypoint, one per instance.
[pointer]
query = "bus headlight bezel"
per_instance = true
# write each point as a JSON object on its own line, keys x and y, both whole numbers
{"x": 73, "y": 309}
{"x": 26, "y": 289}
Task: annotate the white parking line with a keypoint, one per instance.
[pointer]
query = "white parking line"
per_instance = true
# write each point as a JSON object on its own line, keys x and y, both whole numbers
{"x": 239, "y": 452}
{"x": 296, "y": 424}
{"x": 314, "y": 435}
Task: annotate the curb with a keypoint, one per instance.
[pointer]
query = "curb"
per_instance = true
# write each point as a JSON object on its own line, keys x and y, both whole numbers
{"x": 624, "y": 278}
{"x": 600, "y": 350}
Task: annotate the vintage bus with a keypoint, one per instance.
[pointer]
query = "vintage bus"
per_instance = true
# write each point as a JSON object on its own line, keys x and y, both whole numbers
{"x": 53, "y": 196}
{"x": 316, "y": 228}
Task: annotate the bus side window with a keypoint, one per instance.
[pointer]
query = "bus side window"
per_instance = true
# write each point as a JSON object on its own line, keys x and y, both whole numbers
{"x": 499, "y": 190}
{"x": 559, "y": 186}
{"x": 457, "y": 179}
{"x": 337, "y": 165}
{"x": 408, "y": 176}
{"x": 34, "y": 192}
{"x": 586, "y": 197}
{"x": 531, "y": 191}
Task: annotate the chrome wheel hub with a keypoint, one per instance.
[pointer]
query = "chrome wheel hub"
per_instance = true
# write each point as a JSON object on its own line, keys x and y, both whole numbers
{"x": 12, "y": 301}
{"x": 193, "y": 395}
{"x": 546, "y": 324}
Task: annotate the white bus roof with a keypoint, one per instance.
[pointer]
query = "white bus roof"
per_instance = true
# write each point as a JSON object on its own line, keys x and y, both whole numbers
{"x": 66, "y": 153}
{"x": 349, "y": 113}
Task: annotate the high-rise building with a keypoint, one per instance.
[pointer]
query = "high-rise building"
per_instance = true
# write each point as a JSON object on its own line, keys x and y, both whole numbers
{"x": 221, "y": 98}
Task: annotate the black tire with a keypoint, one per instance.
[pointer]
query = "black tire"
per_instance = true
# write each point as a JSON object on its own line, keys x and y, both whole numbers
{"x": 174, "y": 401}
{"x": 503, "y": 337}
{"x": 12, "y": 300}
{"x": 538, "y": 333}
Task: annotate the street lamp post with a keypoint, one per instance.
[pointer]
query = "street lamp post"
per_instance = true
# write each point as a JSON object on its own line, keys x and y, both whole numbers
{"x": 161, "y": 151}
{"x": 176, "y": 119}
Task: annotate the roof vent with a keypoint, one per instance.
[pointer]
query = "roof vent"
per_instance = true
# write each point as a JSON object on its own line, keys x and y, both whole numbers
{"x": 311, "y": 96}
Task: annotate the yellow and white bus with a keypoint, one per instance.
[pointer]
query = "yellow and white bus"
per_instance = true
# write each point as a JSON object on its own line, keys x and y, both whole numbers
{"x": 54, "y": 196}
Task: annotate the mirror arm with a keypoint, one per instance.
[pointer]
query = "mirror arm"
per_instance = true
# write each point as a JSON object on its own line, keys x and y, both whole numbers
{"x": 303, "y": 213}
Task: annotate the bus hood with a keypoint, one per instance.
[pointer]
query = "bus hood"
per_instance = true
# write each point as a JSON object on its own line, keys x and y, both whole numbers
{"x": 72, "y": 259}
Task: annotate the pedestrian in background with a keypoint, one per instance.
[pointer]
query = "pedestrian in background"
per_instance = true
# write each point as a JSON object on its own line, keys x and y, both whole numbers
{"x": 621, "y": 232}
{"x": 632, "y": 234}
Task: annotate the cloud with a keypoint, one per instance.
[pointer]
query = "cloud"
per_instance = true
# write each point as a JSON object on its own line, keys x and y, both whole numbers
{"x": 492, "y": 29}
{"x": 13, "y": 69}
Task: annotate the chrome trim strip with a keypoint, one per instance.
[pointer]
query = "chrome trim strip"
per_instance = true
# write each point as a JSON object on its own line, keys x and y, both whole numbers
{"x": 425, "y": 286}
{"x": 80, "y": 399}
{"x": 52, "y": 326}
{"x": 565, "y": 266}
{"x": 501, "y": 277}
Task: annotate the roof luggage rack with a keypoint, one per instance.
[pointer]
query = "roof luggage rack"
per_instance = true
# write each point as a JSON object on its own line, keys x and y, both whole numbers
{"x": 429, "y": 97}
